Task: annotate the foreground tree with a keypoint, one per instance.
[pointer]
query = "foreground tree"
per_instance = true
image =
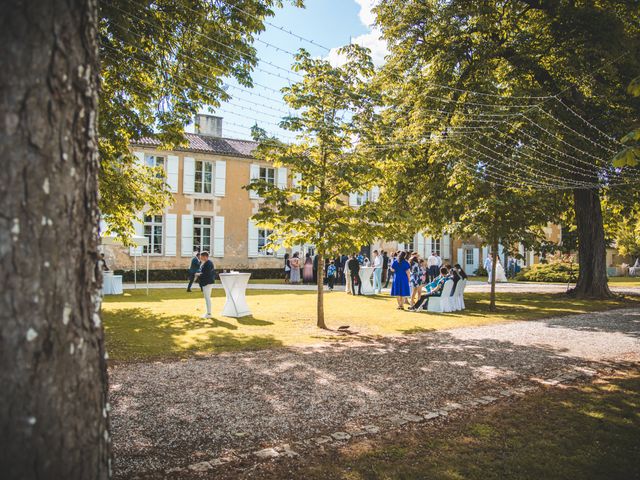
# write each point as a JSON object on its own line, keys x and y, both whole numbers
{"x": 323, "y": 164}
{"x": 513, "y": 53}
{"x": 53, "y": 400}
{"x": 162, "y": 61}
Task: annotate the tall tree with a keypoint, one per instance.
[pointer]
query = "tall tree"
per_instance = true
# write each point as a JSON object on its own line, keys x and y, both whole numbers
{"x": 514, "y": 52}
{"x": 53, "y": 400}
{"x": 161, "y": 62}
{"x": 324, "y": 166}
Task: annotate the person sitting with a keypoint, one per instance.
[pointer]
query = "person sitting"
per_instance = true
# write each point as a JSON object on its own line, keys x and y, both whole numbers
{"x": 434, "y": 289}
{"x": 453, "y": 275}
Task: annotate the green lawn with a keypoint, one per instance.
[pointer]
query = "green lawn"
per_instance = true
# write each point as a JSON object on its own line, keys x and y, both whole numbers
{"x": 589, "y": 432}
{"x": 167, "y": 324}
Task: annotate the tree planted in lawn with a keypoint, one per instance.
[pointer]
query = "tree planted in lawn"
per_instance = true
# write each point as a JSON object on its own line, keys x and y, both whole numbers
{"x": 324, "y": 166}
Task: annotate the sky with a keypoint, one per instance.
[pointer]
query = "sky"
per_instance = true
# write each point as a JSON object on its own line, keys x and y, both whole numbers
{"x": 330, "y": 24}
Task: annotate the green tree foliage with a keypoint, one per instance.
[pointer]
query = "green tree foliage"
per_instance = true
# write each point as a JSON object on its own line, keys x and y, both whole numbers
{"x": 630, "y": 155}
{"x": 324, "y": 166}
{"x": 161, "y": 62}
{"x": 585, "y": 53}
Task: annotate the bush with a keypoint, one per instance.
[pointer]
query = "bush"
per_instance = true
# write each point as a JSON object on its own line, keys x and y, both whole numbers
{"x": 549, "y": 272}
{"x": 180, "y": 274}
{"x": 481, "y": 272}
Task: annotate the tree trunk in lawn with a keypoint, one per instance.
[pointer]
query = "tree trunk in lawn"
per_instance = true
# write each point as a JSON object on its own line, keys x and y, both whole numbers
{"x": 592, "y": 255}
{"x": 53, "y": 382}
{"x": 320, "y": 285}
{"x": 494, "y": 262}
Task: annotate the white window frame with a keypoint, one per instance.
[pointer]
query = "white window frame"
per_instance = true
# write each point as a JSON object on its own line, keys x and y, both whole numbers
{"x": 266, "y": 171}
{"x": 263, "y": 235}
{"x": 198, "y": 228}
{"x": 152, "y": 161}
{"x": 153, "y": 223}
{"x": 436, "y": 246}
{"x": 468, "y": 256}
{"x": 202, "y": 171}
{"x": 361, "y": 198}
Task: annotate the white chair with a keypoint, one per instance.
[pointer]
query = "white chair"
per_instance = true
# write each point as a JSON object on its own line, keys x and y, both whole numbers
{"x": 455, "y": 296}
{"x": 442, "y": 303}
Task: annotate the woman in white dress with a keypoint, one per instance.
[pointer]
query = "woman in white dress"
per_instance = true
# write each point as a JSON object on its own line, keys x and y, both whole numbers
{"x": 501, "y": 277}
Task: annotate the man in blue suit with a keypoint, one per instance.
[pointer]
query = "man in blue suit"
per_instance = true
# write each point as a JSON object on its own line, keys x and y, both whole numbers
{"x": 193, "y": 269}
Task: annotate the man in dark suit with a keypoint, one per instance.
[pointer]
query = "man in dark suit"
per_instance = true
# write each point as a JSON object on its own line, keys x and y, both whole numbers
{"x": 193, "y": 269}
{"x": 354, "y": 270}
{"x": 343, "y": 263}
{"x": 206, "y": 280}
{"x": 385, "y": 266}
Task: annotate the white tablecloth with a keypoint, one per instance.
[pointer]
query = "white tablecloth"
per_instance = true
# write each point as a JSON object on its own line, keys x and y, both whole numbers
{"x": 111, "y": 284}
{"x": 365, "y": 276}
{"x": 235, "y": 287}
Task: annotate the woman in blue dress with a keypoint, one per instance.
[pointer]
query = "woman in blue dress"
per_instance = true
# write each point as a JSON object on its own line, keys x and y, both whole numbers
{"x": 401, "y": 272}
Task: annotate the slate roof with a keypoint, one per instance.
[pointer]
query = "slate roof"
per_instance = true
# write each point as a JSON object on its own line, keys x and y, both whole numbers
{"x": 207, "y": 144}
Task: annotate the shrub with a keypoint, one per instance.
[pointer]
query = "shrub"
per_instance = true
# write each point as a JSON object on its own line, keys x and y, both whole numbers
{"x": 549, "y": 272}
{"x": 481, "y": 272}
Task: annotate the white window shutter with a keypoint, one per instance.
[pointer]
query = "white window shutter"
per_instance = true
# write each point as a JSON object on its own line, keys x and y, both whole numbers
{"x": 428, "y": 241}
{"x": 282, "y": 177}
{"x": 139, "y": 157}
{"x": 400, "y": 246}
{"x": 254, "y": 174}
{"x": 186, "y": 240}
{"x": 446, "y": 246}
{"x": 220, "y": 178}
{"x": 172, "y": 173}
{"x": 297, "y": 178}
{"x": 188, "y": 177}
{"x": 476, "y": 260}
{"x": 375, "y": 195}
{"x": 170, "y": 221}
{"x": 485, "y": 252}
{"x": 252, "y": 240}
{"x": 460, "y": 258}
{"x": 419, "y": 243}
{"x": 218, "y": 236}
{"x": 138, "y": 229}
{"x": 353, "y": 199}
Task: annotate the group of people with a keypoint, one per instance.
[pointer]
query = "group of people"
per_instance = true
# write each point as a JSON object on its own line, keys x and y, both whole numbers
{"x": 296, "y": 271}
{"x": 413, "y": 274}
{"x": 488, "y": 266}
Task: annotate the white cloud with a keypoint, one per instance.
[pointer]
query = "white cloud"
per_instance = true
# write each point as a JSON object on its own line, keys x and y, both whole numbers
{"x": 371, "y": 40}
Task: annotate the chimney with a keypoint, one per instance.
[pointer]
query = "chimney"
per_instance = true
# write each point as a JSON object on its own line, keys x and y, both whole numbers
{"x": 209, "y": 125}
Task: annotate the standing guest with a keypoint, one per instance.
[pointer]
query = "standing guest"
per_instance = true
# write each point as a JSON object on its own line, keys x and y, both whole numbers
{"x": 432, "y": 265}
{"x": 307, "y": 270}
{"x": 194, "y": 267}
{"x": 343, "y": 263}
{"x": 366, "y": 262}
{"x": 354, "y": 272}
{"x": 331, "y": 275}
{"x": 287, "y": 268}
{"x": 377, "y": 272}
{"x": 347, "y": 275}
{"x": 102, "y": 263}
{"x": 385, "y": 266}
{"x": 294, "y": 263}
{"x": 453, "y": 275}
{"x": 336, "y": 262}
{"x": 315, "y": 269}
{"x": 460, "y": 271}
{"x": 401, "y": 273}
{"x": 206, "y": 279}
{"x": 488, "y": 265}
{"x": 434, "y": 289}
{"x": 390, "y": 273}
{"x": 439, "y": 260}
{"x": 415, "y": 280}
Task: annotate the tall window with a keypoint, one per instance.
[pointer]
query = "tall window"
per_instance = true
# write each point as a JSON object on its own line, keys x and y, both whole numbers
{"x": 435, "y": 246}
{"x": 204, "y": 177}
{"x": 202, "y": 233}
{"x": 155, "y": 161}
{"x": 361, "y": 198}
{"x": 468, "y": 253}
{"x": 153, "y": 232}
{"x": 263, "y": 239}
{"x": 410, "y": 246}
{"x": 268, "y": 175}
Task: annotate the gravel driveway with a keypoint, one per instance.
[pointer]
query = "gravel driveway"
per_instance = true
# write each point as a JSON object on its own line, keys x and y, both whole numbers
{"x": 172, "y": 414}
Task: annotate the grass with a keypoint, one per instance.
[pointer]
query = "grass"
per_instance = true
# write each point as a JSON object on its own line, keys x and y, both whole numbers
{"x": 166, "y": 324}
{"x": 586, "y": 432}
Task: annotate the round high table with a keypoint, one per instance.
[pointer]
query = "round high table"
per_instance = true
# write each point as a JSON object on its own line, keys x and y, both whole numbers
{"x": 235, "y": 286}
{"x": 365, "y": 276}
{"x": 111, "y": 284}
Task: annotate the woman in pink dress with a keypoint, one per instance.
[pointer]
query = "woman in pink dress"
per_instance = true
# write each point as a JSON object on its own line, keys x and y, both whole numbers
{"x": 307, "y": 270}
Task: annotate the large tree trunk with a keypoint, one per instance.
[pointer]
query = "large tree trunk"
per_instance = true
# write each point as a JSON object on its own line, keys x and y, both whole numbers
{"x": 494, "y": 263}
{"x": 53, "y": 383}
{"x": 320, "y": 285}
{"x": 592, "y": 254}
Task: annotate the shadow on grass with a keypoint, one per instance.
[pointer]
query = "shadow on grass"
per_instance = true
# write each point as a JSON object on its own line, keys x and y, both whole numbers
{"x": 137, "y": 334}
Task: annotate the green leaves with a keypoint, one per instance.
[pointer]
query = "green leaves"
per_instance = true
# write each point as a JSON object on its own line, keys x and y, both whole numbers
{"x": 628, "y": 157}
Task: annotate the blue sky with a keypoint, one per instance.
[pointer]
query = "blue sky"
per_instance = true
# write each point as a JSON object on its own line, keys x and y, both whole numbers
{"x": 330, "y": 23}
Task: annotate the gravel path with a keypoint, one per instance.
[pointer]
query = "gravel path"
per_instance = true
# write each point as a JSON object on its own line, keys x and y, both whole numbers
{"x": 174, "y": 414}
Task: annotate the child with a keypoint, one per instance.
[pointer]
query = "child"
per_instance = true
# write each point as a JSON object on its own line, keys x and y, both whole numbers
{"x": 331, "y": 275}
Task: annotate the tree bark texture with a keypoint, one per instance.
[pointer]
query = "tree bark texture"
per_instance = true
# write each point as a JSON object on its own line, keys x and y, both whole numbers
{"x": 320, "y": 285}
{"x": 494, "y": 263}
{"x": 53, "y": 381}
{"x": 592, "y": 254}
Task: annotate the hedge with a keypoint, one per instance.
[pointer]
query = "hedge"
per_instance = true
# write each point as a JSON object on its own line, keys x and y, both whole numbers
{"x": 180, "y": 274}
{"x": 549, "y": 272}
